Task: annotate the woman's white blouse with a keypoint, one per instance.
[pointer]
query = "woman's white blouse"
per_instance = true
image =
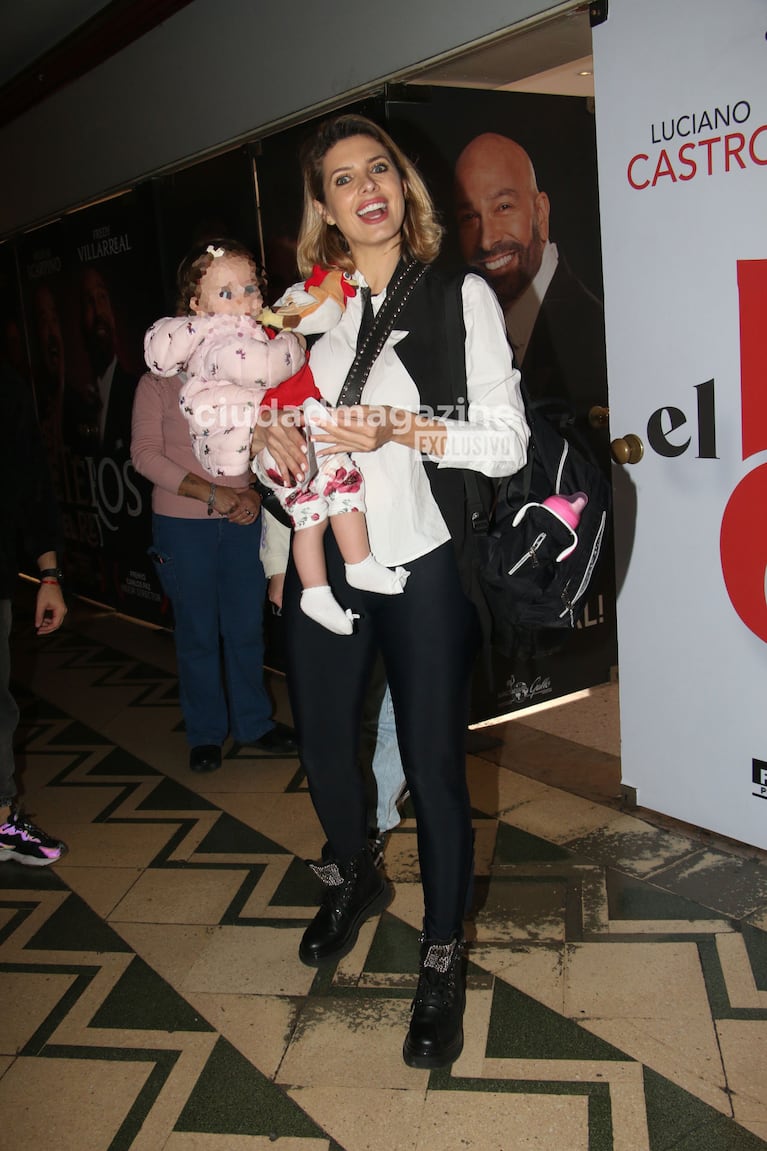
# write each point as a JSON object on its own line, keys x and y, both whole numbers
{"x": 403, "y": 519}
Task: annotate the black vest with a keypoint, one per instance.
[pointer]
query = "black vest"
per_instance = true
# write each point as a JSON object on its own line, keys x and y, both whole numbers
{"x": 424, "y": 353}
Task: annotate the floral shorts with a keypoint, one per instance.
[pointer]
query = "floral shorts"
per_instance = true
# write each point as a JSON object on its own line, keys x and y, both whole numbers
{"x": 338, "y": 487}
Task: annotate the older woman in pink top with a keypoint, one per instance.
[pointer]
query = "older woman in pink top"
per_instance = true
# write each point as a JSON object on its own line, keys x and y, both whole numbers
{"x": 206, "y": 538}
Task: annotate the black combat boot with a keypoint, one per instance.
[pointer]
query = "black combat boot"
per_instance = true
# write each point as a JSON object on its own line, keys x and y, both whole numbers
{"x": 356, "y": 890}
{"x": 435, "y": 1038}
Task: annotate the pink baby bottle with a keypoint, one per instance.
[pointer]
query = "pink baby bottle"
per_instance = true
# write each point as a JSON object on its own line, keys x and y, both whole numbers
{"x": 568, "y": 508}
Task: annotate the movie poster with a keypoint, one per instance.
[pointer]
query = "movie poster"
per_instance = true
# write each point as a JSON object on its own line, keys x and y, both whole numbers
{"x": 91, "y": 286}
{"x": 514, "y": 176}
{"x": 51, "y": 328}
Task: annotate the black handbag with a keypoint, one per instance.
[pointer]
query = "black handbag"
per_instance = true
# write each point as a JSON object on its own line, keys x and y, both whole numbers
{"x": 533, "y": 566}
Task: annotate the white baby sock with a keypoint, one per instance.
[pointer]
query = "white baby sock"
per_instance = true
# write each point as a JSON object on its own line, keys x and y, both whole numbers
{"x": 321, "y": 605}
{"x": 369, "y": 575}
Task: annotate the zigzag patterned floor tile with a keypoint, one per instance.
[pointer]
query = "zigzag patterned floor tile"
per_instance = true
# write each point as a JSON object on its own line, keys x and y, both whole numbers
{"x": 154, "y": 1001}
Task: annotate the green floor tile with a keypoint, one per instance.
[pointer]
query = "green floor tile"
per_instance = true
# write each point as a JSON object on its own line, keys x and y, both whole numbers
{"x": 228, "y": 835}
{"x": 756, "y": 945}
{"x": 16, "y": 877}
{"x": 521, "y": 1028}
{"x": 634, "y": 899}
{"x": 77, "y": 734}
{"x": 234, "y": 912}
{"x": 232, "y": 1097}
{"x": 535, "y": 907}
{"x": 121, "y": 762}
{"x": 515, "y": 846}
{"x": 33, "y": 708}
{"x": 677, "y": 1121}
{"x": 171, "y": 796}
{"x": 143, "y": 1000}
{"x": 74, "y": 927}
{"x": 395, "y": 948}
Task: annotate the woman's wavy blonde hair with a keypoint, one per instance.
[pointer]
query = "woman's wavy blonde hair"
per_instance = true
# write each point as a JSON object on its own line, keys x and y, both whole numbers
{"x": 322, "y": 243}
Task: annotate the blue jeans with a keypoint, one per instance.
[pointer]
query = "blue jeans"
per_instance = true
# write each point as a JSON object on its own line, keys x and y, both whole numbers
{"x": 211, "y": 572}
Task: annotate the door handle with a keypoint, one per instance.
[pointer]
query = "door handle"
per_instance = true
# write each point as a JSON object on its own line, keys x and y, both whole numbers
{"x": 599, "y": 417}
{"x": 627, "y": 449}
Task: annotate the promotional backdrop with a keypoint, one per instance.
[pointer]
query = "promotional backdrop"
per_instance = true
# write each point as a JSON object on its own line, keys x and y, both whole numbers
{"x": 476, "y": 149}
{"x": 91, "y": 286}
{"x": 683, "y": 186}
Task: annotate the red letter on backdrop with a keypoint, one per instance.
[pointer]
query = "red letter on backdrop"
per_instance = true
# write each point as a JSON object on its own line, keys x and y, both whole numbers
{"x": 752, "y": 290}
{"x": 743, "y": 539}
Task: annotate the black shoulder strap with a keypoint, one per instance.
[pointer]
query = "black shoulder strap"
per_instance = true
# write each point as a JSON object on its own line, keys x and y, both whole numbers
{"x": 455, "y": 328}
{"x": 400, "y": 286}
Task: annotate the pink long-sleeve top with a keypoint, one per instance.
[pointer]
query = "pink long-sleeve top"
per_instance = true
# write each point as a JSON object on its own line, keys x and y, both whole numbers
{"x": 161, "y": 449}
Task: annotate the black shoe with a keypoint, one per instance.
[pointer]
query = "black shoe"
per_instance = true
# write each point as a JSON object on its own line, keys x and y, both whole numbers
{"x": 206, "y": 757}
{"x": 356, "y": 890}
{"x": 435, "y": 1038}
{"x": 277, "y": 743}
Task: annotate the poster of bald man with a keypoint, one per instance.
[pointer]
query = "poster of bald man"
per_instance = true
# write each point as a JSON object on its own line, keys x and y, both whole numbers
{"x": 515, "y": 178}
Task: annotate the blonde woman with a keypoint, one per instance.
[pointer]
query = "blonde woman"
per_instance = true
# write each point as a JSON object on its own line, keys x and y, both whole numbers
{"x": 366, "y": 210}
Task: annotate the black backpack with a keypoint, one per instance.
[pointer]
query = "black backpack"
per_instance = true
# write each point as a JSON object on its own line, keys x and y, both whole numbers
{"x": 533, "y": 569}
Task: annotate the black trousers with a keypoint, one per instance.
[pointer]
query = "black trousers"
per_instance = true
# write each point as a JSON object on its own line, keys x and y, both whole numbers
{"x": 428, "y": 638}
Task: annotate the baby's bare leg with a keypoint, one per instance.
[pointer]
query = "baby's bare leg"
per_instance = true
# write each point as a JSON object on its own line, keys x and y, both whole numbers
{"x": 351, "y": 532}
{"x": 309, "y": 555}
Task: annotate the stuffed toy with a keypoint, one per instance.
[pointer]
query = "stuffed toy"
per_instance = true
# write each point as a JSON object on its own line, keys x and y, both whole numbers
{"x": 315, "y": 307}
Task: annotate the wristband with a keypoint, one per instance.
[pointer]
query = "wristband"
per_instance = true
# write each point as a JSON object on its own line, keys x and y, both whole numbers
{"x": 55, "y": 575}
{"x": 212, "y": 500}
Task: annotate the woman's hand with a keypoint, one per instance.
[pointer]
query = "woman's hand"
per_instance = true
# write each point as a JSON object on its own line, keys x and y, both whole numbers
{"x": 362, "y": 428}
{"x": 279, "y": 431}
{"x": 240, "y": 506}
{"x": 226, "y": 502}
{"x": 365, "y": 428}
{"x": 248, "y": 507}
